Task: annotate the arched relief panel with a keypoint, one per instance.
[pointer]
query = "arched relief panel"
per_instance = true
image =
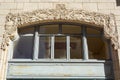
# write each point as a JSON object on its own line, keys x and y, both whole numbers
{"x": 14, "y": 21}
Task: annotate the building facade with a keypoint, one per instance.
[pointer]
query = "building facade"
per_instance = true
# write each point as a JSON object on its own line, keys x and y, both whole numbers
{"x": 59, "y": 39}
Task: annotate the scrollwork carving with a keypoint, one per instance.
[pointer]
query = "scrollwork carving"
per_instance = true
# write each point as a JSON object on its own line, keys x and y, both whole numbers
{"x": 107, "y": 22}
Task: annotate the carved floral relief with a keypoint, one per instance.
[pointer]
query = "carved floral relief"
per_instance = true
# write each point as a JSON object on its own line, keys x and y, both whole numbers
{"x": 14, "y": 21}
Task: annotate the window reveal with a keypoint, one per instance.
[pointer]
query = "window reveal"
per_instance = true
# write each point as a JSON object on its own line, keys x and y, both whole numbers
{"x": 61, "y": 42}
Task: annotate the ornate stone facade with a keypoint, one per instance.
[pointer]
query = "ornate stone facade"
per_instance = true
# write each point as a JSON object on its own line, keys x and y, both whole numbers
{"x": 14, "y": 21}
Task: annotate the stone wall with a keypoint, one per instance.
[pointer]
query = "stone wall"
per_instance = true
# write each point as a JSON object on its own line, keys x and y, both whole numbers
{"x": 18, "y": 6}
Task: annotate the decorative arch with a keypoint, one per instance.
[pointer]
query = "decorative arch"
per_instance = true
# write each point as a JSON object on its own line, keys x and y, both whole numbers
{"x": 60, "y": 13}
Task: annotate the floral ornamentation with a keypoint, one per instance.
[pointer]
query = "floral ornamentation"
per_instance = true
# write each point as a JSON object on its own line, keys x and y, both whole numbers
{"x": 14, "y": 21}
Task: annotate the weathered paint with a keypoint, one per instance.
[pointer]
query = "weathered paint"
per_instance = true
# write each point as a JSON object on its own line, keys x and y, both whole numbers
{"x": 40, "y": 70}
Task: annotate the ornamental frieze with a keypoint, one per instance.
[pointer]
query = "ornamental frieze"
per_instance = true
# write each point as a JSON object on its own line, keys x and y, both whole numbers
{"x": 60, "y": 13}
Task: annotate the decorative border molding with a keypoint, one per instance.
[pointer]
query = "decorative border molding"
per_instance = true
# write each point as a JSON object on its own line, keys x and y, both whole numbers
{"x": 14, "y": 21}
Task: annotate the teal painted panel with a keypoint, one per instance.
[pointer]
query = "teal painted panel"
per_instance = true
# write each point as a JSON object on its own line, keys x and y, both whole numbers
{"x": 57, "y": 70}
{"x": 60, "y": 71}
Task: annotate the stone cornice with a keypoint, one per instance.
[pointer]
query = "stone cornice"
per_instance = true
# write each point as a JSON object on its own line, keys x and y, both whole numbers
{"x": 14, "y": 21}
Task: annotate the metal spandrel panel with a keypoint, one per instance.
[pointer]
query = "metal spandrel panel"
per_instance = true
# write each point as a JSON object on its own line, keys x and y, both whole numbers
{"x": 58, "y": 70}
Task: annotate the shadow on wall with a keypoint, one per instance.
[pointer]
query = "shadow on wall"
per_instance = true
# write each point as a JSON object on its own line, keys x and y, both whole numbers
{"x": 118, "y": 2}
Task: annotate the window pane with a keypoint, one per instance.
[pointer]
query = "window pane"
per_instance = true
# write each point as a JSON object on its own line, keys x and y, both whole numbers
{"x": 71, "y": 29}
{"x": 75, "y": 47}
{"x": 97, "y": 48}
{"x": 28, "y": 30}
{"x": 49, "y": 29}
{"x": 23, "y": 47}
{"x": 44, "y": 47}
{"x": 93, "y": 31}
{"x": 60, "y": 47}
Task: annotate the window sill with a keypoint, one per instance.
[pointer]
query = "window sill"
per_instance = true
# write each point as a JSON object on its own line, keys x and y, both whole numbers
{"x": 57, "y": 61}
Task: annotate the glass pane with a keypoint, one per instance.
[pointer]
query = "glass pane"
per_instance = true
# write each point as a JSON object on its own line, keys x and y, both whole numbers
{"x": 49, "y": 29}
{"x": 93, "y": 31}
{"x": 23, "y": 47}
{"x": 97, "y": 48}
{"x": 44, "y": 47}
{"x": 71, "y": 29}
{"x": 60, "y": 47}
{"x": 28, "y": 30}
{"x": 75, "y": 47}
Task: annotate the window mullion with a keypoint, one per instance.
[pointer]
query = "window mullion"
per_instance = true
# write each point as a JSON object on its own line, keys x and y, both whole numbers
{"x": 84, "y": 43}
{"x": 68, "y": 47}
{"x": 109, "y": 49}
{"x": 36, "y": 44}
{"x": 60, "y": 28}
{"x": 52, "y": 46}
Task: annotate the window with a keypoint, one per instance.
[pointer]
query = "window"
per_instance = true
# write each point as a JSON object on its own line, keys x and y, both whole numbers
{"x": 60, "y": 51}
{"x": 61, "y": 42}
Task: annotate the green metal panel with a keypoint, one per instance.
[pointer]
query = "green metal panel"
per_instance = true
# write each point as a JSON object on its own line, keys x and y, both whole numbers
{"x": 81, "y": 70}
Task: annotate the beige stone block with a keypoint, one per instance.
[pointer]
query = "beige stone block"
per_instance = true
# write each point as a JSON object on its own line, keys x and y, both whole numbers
{"x": 104, "y": 11}
{"x": 52, "y": 1}
{"x": 6, "y": 6}
{"x": 117, "y": 7}
{"x": 30, "y": 6}
{"x": 1, "y": 30}
{"x": 116, "y": 12}
{"x": 69, "y": 1}
{"x": 46, "y": 5}
{"x": 103, "y": 1}
{"x": 44, "y": 1}
{"x": 74, "y": 5}
{"x": 118, "y": 23}
{"x": 4, "y": 12}
{"x": 118, "y": 27}
{"x": 94, "y": 0}
{"x": 20, "y": 5}
{"x": 9, "y": 0}
{"x": 118, "y": 30}
{"x": 16, "y": 11}
{"x": 2, "y": 0}
{"x": 117, "y": 17}
{"x": 59, "y": 1}
{"x": 2, "y": 20}
{"x": 107, "y": 1}
{"x": 106, "y": 5}
{"x": 35, "y": 0}
{"x": 0, "y": 43}
{"x": 82, "y": 1}
{"x": 23, "y": 1}
{"x": 90, "y": 6}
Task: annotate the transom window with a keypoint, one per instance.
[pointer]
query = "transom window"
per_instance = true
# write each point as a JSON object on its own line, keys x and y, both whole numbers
{"x": 61, "y": 42}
